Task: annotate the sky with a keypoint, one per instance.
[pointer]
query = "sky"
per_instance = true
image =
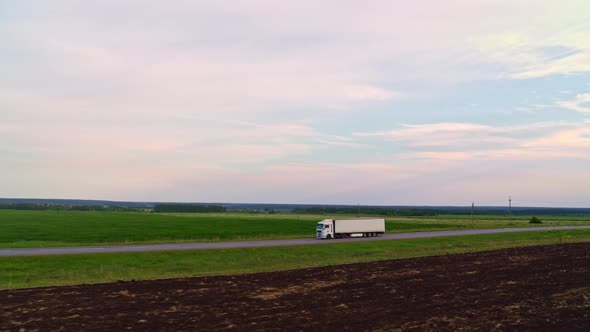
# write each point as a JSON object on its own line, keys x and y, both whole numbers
{"x": 327, "y": 102}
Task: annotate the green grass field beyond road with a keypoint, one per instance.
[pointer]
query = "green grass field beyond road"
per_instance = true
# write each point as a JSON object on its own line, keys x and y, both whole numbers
{"x": 19, "y": 272}
{"x": 19, "y": 229}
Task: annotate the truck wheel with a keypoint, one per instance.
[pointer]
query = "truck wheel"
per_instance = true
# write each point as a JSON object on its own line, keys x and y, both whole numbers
{"x": 329, "y": 236}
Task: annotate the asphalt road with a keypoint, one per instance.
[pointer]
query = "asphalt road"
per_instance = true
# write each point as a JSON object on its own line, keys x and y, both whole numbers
{"x": 266, "y": 243}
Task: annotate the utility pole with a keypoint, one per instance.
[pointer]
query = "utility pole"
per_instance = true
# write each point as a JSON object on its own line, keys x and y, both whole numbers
{"x": 358, "y": 210}
{"x": 472, "y": 204}
{"x": 510, "y": 207}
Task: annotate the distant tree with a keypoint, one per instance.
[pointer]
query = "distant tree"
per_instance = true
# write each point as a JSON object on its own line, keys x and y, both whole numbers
{"x": 535, "y": 220}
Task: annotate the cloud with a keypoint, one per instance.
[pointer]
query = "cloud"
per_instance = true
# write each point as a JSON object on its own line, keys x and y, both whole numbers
{"x": 557, "y": 47}
{"x": 367, "y": 93}
{"x": 468, "y": 141}
{"x": 461, "y": 134}
{"x": 187, "y": 65}
{"x": 241, "y": 154}
{"x": 580, "y": 104}
{"x": 571, "y": 64}
{"x": 342, "y": 144}
{"x": 215, "y": 144}
{"x": 257, "y": 56}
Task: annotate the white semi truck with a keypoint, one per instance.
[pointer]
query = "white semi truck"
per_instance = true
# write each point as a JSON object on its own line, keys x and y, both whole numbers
{"x": 342, "y": 228}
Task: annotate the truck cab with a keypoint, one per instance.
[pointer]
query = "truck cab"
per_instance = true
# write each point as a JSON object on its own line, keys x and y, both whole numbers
{"x": 324, "y": 229}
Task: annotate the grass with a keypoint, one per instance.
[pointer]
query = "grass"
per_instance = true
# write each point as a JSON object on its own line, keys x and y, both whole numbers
{"x": 20, "y": 229}
{"x": 34, "y": 271}
{"x": 71, "y": 228}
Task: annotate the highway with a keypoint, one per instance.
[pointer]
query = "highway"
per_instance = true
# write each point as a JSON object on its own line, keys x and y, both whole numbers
{"x": 264, "y": 243}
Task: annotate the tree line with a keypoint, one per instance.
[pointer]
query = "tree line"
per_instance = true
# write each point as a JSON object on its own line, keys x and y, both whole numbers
{"x": 366, "y": 210}
{"x": 188, "y": 208}
{"x": 433, "y": 211}
{"x": 58, "y": 207}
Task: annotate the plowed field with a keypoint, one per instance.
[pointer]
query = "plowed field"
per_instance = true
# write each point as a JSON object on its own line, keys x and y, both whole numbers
{"x": 541, "y": 288}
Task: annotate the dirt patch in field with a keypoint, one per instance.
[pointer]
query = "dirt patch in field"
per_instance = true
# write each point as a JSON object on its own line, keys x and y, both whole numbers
{"x": 534, "y": 288}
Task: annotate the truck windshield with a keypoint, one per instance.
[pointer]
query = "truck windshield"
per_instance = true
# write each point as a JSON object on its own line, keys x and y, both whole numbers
{"x": 320, "y": 226}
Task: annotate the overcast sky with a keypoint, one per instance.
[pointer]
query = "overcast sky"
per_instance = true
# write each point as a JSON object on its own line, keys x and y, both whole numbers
{"x": 345, "y": 102}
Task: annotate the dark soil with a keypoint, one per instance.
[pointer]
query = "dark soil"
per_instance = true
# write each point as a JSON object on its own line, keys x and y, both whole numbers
{"x": 533, "y": 288}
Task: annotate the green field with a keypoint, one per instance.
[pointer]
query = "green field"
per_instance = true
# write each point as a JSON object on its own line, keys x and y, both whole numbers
{"x": 75, "y": 228}
{"x": 19, "y": 272}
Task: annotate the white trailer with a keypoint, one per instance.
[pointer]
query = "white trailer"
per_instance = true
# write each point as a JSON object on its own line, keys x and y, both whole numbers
{"x": 342, "y": 228}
